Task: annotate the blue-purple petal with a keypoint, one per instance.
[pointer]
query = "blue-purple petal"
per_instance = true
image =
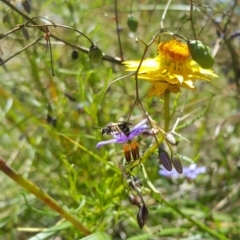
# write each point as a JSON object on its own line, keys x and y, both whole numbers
{"x": 190, "y": 172}
{"x": 100, "y": 144}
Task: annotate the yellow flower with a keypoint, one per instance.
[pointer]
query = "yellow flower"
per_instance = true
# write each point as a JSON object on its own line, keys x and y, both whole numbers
{"x": 172, "y": 69}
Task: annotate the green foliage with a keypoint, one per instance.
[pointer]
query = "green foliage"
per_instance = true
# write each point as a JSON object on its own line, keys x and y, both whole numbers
{"x": 48, "y": 123}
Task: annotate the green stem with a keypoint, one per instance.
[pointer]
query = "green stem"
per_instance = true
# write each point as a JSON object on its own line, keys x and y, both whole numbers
{"x": 166, "y": 110}
{"x": 195, "y": 222}
{"x": 158, "y": 197}
{"x": 31, "y": 187}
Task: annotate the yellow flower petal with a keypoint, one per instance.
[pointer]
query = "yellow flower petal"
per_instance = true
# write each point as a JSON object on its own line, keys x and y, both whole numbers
{"x": 157, "y": 89}
{"x": 171, "y": 69}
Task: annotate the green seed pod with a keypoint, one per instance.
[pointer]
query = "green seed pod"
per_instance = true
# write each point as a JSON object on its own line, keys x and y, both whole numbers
{"x": 201, "y": 53}
{"x": 95, "y": 54}
{"x": 132, "y": 23}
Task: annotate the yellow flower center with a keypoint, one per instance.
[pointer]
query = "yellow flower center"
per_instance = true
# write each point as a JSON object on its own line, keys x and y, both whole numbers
{"x": 174, "y": 51}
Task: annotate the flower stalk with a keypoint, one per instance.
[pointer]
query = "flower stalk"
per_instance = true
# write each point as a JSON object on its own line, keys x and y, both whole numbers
{"x": 31, "y": 187}
{"x": 166, "y": 110}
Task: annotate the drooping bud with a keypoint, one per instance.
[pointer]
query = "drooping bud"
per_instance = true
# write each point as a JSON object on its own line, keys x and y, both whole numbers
{"x": 95, "y": 54}
{"x": 132, "y": 23}
{"x": 201, "y": 53}
{"x": 164, "y": 159}
{"x": 26, "y": 5}
{"x": 142, "y": 216}
{"x": 25, "y": 33}
{"x": 5, "y": 18}
{"x": 171, "y": 139}
{"x": 133, "y": 200}
{"x": 74, "y": 54}
{"x": 177, "y": 163}
{"x": 238, "y": 165}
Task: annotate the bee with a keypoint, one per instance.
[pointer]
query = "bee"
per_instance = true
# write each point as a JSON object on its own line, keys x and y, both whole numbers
{"x": 111, "y": 128}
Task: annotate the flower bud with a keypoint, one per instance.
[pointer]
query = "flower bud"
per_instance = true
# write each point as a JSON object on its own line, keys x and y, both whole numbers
{"x": 164, "y": 159}
{"x": 74, "y": 54}
{"x": 5, "y": 18}
{"x": 25, "y": 33}
{"x": 132, "y": 23}
{"x": 95, "y": 54}
{"x": 133, "y": 200}
{"x": 177, "y": 163}
{"x": 142, "y": 216}
{"x": 171, "y": 139}
{"x": 201, "y": 53}
{"x": 27, "y": 5}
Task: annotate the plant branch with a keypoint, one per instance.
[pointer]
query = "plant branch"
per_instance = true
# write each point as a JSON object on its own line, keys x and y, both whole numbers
{"x": 31, "y": 187}
{"x": 41, "y": 28}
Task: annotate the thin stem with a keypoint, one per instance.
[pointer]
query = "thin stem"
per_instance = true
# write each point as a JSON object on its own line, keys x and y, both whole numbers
{"x": 158, "y": 197}
{"x": 58, "y": 25}
{"x": 195, "y": 222}
{"x": 31, "y": 187}
{"x": 25, "y": 48}
{"x": 137, "y": 100}
{"x": 191, "y": 18}
{"x": 118, "y": 79}
{"x": 74, "y": 46}
{"x": 118, "y": 29}
{"x": 166, "y": 110}
{"x": 50, "y": 48}
{"x": 164, "y": 15}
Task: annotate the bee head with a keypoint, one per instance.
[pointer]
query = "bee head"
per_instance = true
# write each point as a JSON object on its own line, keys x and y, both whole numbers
{"x": 103, "y": 131}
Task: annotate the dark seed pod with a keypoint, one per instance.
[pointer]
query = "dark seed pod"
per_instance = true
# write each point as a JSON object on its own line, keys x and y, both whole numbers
{"x": 27, "y": 6}
{"x": 74, "y": 54}
{"x": 142, "y": 216}
{"x": 238, "y": 165}
{"x": 71, "y": 98}
{"x": 132, "y": 23}
{"x": 201, "y": 53}
{"x": 51, "y": 120}
{"x": 25, "y": 33}
{"x": 95, "y": 54}
{"x": 5, "y": 18}
{"x": 133, "y": 200}
{"x": 177, "y": 163}
{"x": 164, "y": 159}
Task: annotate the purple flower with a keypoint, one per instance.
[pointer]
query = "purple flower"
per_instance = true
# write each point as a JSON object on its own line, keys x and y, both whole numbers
{"x": 122, "y": 138}
{"x": 193, "y": 170}
{"x": 190, "y": 172}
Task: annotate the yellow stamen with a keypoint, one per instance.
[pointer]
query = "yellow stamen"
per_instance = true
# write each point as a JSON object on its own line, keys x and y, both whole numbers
{"x": 135, "y": 150}
{"x": 174, "y": 51}
{"x": 134, "y": 145}
{"x": 126, "y": 149}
